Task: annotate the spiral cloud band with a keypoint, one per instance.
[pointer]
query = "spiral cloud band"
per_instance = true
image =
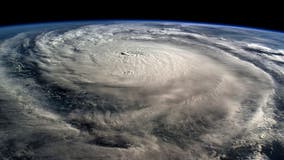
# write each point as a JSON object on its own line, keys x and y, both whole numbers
{"x": 140, "y": 91}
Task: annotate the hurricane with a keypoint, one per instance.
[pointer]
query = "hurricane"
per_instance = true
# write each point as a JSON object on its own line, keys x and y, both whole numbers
{"x": 141, "y": 90}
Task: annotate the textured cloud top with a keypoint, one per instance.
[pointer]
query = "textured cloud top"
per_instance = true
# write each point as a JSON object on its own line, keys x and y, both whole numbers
{"x": 134, "y": 90}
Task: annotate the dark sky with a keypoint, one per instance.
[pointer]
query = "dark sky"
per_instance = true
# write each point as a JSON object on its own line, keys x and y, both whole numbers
{"x": 265, "y": 17}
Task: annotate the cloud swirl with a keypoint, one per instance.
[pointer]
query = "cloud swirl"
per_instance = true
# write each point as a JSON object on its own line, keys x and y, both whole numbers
{"x": 139, "y": 91}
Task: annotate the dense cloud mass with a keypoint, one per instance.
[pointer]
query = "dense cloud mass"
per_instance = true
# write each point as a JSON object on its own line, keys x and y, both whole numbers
{"x": 143, "y": 91}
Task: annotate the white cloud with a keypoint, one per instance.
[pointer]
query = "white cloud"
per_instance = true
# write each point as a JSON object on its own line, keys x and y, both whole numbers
{"x": 165, "y": 98}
